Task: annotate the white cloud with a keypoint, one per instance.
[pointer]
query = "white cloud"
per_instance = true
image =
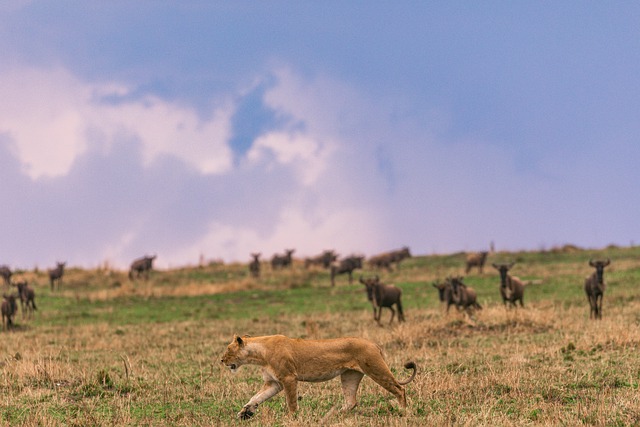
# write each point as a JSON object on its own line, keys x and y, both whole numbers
{"x": 305, "y": 154}
{"x": 51, "y": 113}
{"x": 344, "y": 230}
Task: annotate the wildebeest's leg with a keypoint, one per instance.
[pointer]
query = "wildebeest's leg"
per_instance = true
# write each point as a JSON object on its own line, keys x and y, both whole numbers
{"x": 599, "y": 306}
{"x": 269, "y": 389}
{"x": 400, "y": 312}
{"x": 393, "y": 314}
{"x": 591, "y": 306}
{"x": 378, "y": 315}
{"x": 350, "y": 382}
{"x": 350, "y": 276}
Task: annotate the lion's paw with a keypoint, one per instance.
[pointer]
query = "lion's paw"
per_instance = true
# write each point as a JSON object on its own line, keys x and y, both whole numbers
{"x": 246, "y": 413}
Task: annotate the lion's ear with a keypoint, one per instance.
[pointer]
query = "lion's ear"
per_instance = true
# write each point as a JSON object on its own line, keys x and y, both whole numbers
{"x": 239, "y": 340}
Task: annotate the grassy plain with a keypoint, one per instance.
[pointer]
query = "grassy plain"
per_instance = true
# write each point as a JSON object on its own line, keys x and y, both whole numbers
{"x": 104, "y": 351}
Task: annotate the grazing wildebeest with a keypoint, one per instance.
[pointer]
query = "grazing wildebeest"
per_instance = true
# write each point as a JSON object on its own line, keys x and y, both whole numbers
{"x": 8, "y": 308}
{"x": 254, "y": 265}
{"x": 27, "y": 298}
{"x": 386, "y": 259}
{"x": 511, "y": 287}
{"x": 282, "y": 261}
{"x": 476, "y": 260}
{"x": 464, "y": 297}
{"x": 6, "y": 273}
{"x": 55, "y": 275}
{"x": 346, "y": 265}
{"x": 324, "y": 259}
{"x": 142, "y": 267}
{"x": 381, "y": 295}
{"x": 594, "y": 287}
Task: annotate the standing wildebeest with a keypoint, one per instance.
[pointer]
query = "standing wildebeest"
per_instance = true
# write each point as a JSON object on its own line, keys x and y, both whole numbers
{"x": 142, "y": 266}
{"x": 381, "y": 295}
{"x": 594, "y": 287}
{"x": 254, "y": 266}
{"x": 56, "y": 274}
{"x": 346, "y": 265}
{"x": 324, "y": 259}
{"x": 282, "y": 261}
{"x": 511, "y": 287}
{"x": 6, "y": 273}
{"x": 454, "y": 292}
{"x": 445, "y": 293}
{"x": 476, "y": 260}
{"x": 27, "y": 298}
{"x": 386, "y": 259}
{"x": 8, "y": 308}
{"x": 464, "y": 297}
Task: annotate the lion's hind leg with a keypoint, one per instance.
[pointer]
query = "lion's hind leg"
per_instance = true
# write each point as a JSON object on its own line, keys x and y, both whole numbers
{"x": 381, "y": 374}
{"x": 350, "y": 382}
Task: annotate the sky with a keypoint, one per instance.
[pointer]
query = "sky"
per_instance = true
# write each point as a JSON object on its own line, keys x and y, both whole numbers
{"x": 214, "y": 129}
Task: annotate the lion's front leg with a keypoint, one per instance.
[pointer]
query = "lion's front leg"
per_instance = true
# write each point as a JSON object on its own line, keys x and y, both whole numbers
{"x": 291, "y": 392}
{"x": 269, "y": 389}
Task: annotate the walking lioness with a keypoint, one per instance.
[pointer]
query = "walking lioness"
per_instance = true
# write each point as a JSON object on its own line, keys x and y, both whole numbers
{"x": 285, "y": 361}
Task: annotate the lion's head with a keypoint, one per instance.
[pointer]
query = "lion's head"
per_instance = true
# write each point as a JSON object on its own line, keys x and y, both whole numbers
{"x": 235, "y": 355}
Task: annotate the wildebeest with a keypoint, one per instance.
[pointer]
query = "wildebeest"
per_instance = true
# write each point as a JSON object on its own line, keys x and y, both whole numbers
{"x": 281, "y": 261}
{"x": 511, "y": 287}
{"x": 27, "y": 298}
{"x": 8, "y": 308}
{"x": 381, "y": 295}
{"x": 476, "y": 260}
{"x": 445, "y": 293}
{"x": 464, "y": 297}
{"x": 324, "y": 259}
{"x": 6, "y": 273}
{"x": 346, "y": 265}
{"x": 254, "y": 265}
{"x": 55, "y": 275}
{"x": 386, "y": 259}
{"x": 594, "y": 287}
{"x": 142, "y": 267}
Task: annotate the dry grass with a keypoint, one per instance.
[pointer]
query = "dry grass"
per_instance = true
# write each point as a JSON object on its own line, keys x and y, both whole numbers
{"x": 544, "y": 365}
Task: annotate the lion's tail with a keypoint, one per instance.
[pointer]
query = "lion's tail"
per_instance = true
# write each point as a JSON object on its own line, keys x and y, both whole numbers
{"x": 409, "y": 365}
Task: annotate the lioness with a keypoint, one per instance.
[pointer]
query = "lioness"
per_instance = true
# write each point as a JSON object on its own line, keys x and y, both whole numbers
{"x": 285, "y": 361}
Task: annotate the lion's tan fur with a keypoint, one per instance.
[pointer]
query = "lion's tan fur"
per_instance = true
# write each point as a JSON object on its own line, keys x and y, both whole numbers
{"x": 285, "y": 361}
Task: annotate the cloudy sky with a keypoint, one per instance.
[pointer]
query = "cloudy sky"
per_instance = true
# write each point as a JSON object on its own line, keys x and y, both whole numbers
{"x": 224, "y": 128}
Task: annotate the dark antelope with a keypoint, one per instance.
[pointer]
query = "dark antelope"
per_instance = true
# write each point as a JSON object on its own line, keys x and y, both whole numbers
{"x": 281, "y": 261}
{"x": 476, "y": 260}
{"x": 381, "y": 295}
{"x": 8, "y": 308}
{"x": 324, "y": 259}
{"x": 594, "y": 287}
{"x": 511, "y": 287}
{"x": 464, "y": 297}
{"x": 386, "y": 259}
{"x": 346, "y": 265}
{"x": 141, "y": 267}
{"x": 27, "y": 298}
{"x": 254, "y": 265}
{"x": 55, "y": 275}
{"x": 6, "y": 273}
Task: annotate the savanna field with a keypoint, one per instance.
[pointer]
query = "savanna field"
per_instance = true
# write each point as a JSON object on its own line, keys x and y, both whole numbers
{"x": 107, "y": 351}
